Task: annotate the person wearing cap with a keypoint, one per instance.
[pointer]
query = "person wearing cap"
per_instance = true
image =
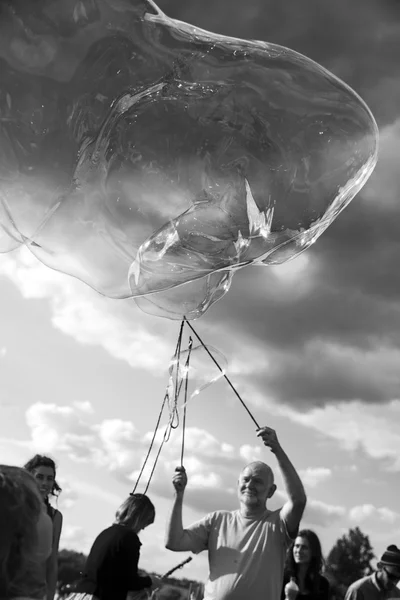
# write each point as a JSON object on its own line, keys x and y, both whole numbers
{"x": 382, "y": 584}
{"x": 246, "y": 547}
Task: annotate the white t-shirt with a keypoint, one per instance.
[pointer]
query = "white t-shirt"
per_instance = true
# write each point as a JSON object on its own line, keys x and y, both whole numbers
{"x": 246, "y": 555}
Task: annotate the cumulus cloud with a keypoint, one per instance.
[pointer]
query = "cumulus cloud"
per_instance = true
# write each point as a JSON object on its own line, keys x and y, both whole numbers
{"x": 118, "y": 439}
{"x": 206, "y": 445}
{"x": 72, "y": 536}
{"x": 212, "y": 465}
{"x": 127, "y": 334}
{"x": 86, "y": 488}
{"x": 312, "y": 476}
{"x": 70, "y": 429}
{"x": 116, "y": 445}
{"x": 356, "y": 425}
{"x": 367, "y": 512}
{"x": 250, "y": 453}
{"x": 323, "y": 514}
{"x": 68, "y": 496}
{"x": 60, "y": 428}
{"x": 91, "y": 319}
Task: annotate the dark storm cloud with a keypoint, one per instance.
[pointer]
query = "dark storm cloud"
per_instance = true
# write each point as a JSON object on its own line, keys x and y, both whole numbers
{"x": 340, "y": 340}
{"x": 330, "y": 311}
{"x": 358, "y": 41}
{"x": 321, "y": 373}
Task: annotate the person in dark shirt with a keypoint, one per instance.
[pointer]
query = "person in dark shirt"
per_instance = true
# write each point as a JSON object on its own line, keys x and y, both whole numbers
{"x": 111, "y": 569}
{"x": 304, "y": 564}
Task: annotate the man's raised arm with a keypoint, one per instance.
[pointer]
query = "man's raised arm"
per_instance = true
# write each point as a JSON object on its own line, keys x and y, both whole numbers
{"x": 177, "y": 538}
{"x": 293, "y": 509}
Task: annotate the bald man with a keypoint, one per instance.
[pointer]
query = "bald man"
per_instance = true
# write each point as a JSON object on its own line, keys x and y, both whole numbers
{"x": 247, "y": 547}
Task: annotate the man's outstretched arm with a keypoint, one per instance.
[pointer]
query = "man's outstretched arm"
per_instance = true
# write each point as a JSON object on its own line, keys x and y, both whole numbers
{"x": 177, "y": 539}
{"x": 293, "y": 509}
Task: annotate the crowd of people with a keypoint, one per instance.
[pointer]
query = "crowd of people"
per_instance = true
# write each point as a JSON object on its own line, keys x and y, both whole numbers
{"x": 254, "y": 553}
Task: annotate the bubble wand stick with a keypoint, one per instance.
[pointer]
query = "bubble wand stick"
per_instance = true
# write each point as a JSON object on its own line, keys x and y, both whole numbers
{"x": 224, "y": 374}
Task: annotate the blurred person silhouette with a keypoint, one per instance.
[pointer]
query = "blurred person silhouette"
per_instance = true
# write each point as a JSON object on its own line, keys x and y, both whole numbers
{"x": 25, "y": 536}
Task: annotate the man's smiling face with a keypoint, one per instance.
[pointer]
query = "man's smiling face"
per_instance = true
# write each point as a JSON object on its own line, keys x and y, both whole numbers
{"x": 255, "y": 485}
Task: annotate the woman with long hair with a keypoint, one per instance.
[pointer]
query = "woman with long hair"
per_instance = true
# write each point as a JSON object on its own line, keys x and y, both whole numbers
{"x": 111, "y": 569}
{"x": 303, "y": 579}
{"x": 25, "y": 536}
{"x": 43, "y": 470}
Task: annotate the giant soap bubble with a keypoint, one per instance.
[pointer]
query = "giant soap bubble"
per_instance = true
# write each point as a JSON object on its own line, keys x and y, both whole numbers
{"x": 151, "y": 159}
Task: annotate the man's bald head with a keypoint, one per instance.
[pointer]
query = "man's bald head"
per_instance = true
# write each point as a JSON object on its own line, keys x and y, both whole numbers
{"x": 262, "y": 468}
{"x": 255, "y": 486}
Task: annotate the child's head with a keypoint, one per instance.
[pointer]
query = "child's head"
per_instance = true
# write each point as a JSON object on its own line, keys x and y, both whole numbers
{"x": 137, "y": 512}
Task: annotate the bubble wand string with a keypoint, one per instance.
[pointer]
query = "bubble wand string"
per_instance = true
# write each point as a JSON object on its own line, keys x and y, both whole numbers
{"x": 170, "y": 424}
{"x": 224, "y": 374}
{"x": 186, "y": 394}
{"x": 177, "y": 387}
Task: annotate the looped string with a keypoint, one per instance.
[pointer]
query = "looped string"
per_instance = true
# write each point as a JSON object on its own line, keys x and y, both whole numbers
{"x": 186, "y": 397}
{"x": 171, "y": 399}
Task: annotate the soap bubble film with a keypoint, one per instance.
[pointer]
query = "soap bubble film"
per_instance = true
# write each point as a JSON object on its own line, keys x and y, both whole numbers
{"x": 197, "y": 366}
{"x": 151, "y": 159}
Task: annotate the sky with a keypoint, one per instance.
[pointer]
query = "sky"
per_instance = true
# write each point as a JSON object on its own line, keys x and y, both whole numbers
{"x": 313, "y": 346}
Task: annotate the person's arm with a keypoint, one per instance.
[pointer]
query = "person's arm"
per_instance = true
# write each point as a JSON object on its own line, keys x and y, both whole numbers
{"x": 293, "y": 509}
{"x": 52, "y": 561}
{"x": 132, "y": 552}
{"x": 285, "y": 581}
{"x": 354, "y": 593}
{"x": 177, "y": 538}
